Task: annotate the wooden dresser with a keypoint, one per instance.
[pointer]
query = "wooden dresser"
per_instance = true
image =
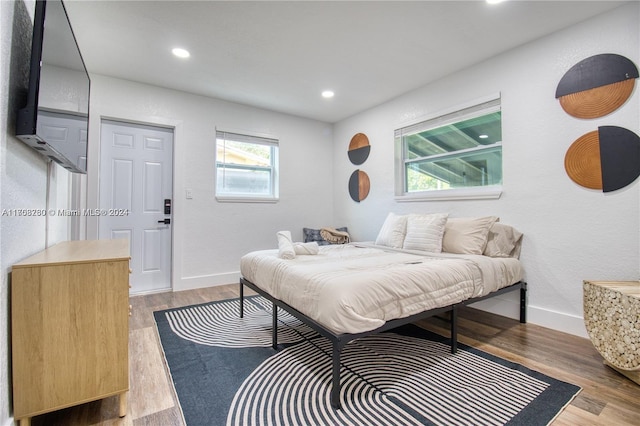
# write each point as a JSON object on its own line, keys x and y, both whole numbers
{"x": 612, "y": 319}
{"x": 70, "y": 326}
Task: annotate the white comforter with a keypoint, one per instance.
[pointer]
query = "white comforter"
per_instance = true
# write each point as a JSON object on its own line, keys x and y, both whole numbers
{"x": 355, "y": 288}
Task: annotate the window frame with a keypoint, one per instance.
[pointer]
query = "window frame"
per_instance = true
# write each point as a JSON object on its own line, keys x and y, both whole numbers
{"x": 274, "y": 168}
{"x": 456, "y": 114}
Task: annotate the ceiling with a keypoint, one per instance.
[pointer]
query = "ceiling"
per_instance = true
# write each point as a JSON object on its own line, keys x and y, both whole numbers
{"x": 282, "y": 55}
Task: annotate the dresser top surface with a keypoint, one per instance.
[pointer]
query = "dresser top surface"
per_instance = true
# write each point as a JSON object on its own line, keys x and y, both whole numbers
{"x": 83, "y": 251}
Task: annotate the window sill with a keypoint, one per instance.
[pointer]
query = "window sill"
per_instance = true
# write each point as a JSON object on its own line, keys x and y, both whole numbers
{"x": 245, "y": 199}
{"x": 485, "y": 193}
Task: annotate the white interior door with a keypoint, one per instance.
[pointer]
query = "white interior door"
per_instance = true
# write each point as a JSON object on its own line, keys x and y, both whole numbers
{"x": 136, "y": 175}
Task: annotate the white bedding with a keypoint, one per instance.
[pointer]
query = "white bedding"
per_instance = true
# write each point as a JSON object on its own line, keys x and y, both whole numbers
{"x": 356, "y": 287}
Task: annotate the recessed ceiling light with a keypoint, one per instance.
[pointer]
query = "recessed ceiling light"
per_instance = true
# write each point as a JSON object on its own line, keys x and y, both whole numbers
{"x": 328, "y": 94}
{"x": 180, "y": 53}
{"x": 495, "y": 1}
{"x": 483, "y": 136}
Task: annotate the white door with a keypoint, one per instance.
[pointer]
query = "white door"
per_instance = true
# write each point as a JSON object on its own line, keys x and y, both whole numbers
{"x": 136, "y": 175}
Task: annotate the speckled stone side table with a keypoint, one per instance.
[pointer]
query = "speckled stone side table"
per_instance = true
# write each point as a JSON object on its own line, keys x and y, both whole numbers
{"x": 612, "y": 319}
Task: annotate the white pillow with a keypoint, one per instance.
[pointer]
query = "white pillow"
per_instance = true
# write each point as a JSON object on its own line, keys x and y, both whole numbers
{"x": 467, "y": 235}
{"x": 503, "y": 241}
{"x": 425, "y": 231}
{"x": 392, "y": 232}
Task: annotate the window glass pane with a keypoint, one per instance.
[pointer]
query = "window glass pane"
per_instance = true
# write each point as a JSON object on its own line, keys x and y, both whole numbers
{"x": 233, "y": 152}
{"x": 458, "y": 150}
{"x": 476, "y": 168}
{"x": 484, "y": 130}
{"x": 243, "y": 181}
{"x": 246, "y": 166}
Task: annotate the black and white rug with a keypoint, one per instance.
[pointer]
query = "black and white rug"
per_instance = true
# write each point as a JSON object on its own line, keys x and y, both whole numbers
{"x": 226, "y": 373}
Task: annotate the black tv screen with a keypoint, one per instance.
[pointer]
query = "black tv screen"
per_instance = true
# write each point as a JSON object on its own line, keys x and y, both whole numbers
{"x": 55, "y": 120}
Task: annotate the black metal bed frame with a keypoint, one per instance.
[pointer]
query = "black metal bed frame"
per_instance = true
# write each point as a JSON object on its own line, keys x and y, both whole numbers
{"x": 339, "y": 341}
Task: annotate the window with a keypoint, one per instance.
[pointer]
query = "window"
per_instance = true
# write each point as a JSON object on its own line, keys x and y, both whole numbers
{"x": 454, "y": 155}
{"x": 246, "y": 167}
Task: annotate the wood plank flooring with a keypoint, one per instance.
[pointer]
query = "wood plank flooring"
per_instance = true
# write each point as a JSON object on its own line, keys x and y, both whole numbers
{"x": 607, "y": 398}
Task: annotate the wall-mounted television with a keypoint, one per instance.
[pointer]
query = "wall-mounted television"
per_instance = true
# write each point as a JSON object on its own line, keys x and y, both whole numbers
{"x": 55, "y": 119}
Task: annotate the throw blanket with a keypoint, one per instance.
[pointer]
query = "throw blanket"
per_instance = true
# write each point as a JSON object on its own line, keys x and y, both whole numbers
{"x": 351, "y": 289}
{"x": 334, "y": 236}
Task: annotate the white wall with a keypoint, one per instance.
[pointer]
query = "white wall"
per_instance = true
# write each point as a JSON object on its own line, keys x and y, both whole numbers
{"x": 571, "y": 233}
{"x": 24, "y": 178}
{"x": 210, "y": 236}
{"x": 16, "y": 159}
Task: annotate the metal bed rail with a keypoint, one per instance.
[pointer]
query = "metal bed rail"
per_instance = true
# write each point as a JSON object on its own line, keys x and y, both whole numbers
{"x": 339, "y": 341}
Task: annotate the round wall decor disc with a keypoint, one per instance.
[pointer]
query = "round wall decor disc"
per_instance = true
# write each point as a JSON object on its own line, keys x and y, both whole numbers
{"x": 359, "y": 149}
{"x": 606, "y": 159}
{"x": 359, "y": 185}
{"x": 582, "y": 161}
{"x": 597, "y": 86}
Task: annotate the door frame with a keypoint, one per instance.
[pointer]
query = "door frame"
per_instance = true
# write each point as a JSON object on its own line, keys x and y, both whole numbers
{"x": 93, "y": 177}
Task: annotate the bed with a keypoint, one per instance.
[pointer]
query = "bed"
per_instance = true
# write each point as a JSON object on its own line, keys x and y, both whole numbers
{"x": 410, "y": 272}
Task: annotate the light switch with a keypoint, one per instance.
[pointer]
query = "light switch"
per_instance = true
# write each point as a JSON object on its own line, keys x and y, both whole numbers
{"x": 188, "y": 193}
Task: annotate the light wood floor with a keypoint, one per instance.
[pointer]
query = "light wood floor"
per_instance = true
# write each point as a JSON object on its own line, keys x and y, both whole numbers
{"x": 607, "y": 398}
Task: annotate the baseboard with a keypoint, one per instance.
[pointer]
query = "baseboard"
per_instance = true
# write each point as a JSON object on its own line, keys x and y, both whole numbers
{"x": 560, "y": 321}
{"x": 202, "y": 281}
{"x": 509, "y": 306}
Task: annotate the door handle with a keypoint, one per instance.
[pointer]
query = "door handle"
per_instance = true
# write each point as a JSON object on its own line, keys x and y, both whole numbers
{"x": 165, "y": 221}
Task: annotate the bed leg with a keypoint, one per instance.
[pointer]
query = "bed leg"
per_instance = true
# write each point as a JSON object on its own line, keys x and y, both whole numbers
{"x": 454, "y": 329}
{"x": 335, "y": 385}
{"x": 523, "y": 303}
{"x": 274, "y": 326}
{"x": 241, "y": 300}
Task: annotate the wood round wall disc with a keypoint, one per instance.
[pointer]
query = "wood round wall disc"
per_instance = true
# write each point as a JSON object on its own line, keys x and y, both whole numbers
{"x": 582, "y": 161}
{"x": 359, "y": 149}
{"x": 597, "y": 86}
{"x": 607, "y": 159}
{"x": 359, "y": 185}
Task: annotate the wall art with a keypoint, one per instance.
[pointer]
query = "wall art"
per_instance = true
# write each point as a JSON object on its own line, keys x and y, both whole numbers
{"x": 597, "y": 86}
{"x": 359, "y": 185}
{"x": 606, "y": 159}
{"x": 359, "y": 149}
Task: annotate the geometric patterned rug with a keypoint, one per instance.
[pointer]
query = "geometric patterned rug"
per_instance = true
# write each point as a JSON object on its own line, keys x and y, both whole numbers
{"x": 225, "y": 373}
